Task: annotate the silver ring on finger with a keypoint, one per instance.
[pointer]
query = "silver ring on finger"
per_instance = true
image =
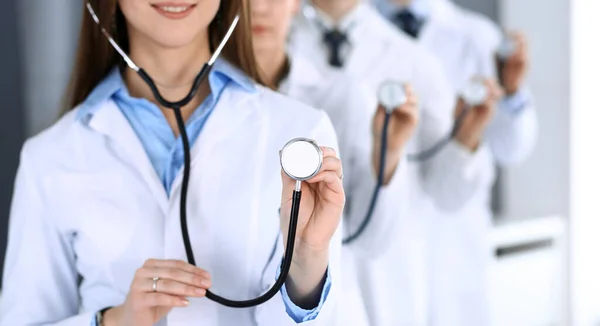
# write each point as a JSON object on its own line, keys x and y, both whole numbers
{"x": 155, "y": 283}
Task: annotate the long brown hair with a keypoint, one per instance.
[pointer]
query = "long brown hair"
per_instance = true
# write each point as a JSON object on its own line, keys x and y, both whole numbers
{"x": 95, "y": 57}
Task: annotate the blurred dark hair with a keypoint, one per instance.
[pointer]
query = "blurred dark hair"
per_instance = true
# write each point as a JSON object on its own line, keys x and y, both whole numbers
{"x": 95, "y": 56}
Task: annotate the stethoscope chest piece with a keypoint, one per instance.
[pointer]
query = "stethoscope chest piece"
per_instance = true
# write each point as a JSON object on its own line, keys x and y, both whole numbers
{"x": 301, "y": 159}
{"x": 474, "y": 93}
{"x": 391, "y": 95}
{"x": 309, "y": 12}
{"x": 507, "y": 48}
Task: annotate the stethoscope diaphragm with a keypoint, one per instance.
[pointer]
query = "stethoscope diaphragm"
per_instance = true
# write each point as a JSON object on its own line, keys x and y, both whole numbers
{"x": 301, "y": 159}
{"x": 391, "y": 95}
{"x": 507, "y": 48}
{"x": 474, "y": 93}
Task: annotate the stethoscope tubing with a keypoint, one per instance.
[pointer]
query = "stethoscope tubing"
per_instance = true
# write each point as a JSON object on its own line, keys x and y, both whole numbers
{"x": 380, "y": 175}
{"x": 291, "y": 236}
{"x": 413, "y": 158}
{"x": 442, "y": 143}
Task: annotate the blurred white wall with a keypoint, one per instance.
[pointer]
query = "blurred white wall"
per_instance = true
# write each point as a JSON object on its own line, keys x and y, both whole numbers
{"x": 563, "y": 174}
{"x": 49, "y": 31}
{"x": 540, "y": 186}
{"x": 486, "y": 7}
{"x": 585, "y": 163}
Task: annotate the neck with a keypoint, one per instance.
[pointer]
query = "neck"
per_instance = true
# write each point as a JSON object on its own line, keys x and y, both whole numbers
{"x": 173, "y": 71}
{"x": 272, "y": 63}
{"x": 336, "y": 9}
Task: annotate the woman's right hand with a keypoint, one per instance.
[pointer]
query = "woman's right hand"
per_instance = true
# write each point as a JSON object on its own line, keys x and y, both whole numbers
{"x": 144, "y": 306}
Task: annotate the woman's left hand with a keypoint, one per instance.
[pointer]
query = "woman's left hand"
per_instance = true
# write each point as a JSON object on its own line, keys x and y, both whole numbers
{"x": 321, "y": 209}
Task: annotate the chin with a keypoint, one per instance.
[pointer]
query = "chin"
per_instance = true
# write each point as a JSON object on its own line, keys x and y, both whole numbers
{"x": 264, "y": 47}
{"x": 173, "y": 38}
{"x": 173, "y": 42}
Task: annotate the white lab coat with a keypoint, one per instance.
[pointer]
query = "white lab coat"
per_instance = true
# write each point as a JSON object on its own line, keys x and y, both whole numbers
{"x": 393, "y": 278}
{"x": 88, "y": 201}
{"x": 465, "y": 43}
{"x": 345, "y": 101}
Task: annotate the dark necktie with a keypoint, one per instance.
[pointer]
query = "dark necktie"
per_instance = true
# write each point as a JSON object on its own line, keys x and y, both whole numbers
{"x": 334, "y": 39}
{"x": 409, "y": 23}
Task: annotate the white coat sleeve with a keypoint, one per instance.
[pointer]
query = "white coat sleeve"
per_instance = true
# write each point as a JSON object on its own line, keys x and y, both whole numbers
{"x": 273, "y": 312}
{"x": 453, "y": 176}
{"x": 40, "y": 282}
{"x": 360, "y": 179}
{"x": 512, "y": 133}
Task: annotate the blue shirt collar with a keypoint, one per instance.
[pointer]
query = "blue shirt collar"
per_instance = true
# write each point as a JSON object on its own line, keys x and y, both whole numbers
{"x": 222, "y": 73}
{"x": 420, "y": 8}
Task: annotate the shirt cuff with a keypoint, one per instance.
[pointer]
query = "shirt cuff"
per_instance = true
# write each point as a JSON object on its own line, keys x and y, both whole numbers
{"x": 516, "y": 103}
{"x": 298, "y": 314}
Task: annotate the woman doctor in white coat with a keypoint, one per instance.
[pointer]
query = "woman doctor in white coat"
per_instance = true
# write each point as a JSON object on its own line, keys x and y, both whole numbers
{"x": 359, "y": 126}
{"x": 94, "y": 224}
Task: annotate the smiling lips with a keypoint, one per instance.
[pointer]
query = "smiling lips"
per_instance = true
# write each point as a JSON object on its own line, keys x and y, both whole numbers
{"x": 173, "y": 10}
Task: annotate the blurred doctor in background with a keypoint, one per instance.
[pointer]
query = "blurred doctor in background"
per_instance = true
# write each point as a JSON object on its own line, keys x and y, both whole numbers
{"x": 359, "y": 128}
{"x": 469, "y": 46}
{"x": 350, "y": 37}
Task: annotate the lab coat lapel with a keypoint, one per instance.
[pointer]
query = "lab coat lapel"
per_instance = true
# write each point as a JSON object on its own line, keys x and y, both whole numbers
{"x": 304, "y": 80}
{"x": 232, "y": 109}
{"x": 366, "y": 31}
{"x": 443, "y": 35}
{"x": 438, "y": 28}
{"x": 111, "y": 122}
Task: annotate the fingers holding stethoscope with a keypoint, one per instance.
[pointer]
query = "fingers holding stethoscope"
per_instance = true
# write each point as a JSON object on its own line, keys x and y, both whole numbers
{"x": 169, "y": 282}
{"x": 331, "y": 172}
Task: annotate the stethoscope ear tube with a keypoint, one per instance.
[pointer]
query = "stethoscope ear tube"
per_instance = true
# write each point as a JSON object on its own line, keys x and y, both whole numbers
{"x": 183, "y": 102}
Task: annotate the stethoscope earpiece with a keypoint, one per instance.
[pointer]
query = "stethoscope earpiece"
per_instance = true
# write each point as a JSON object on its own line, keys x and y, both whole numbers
{"x": 301, "y": 159}
{"x": 475, "y": 93}
{"x": 391, "y": 95}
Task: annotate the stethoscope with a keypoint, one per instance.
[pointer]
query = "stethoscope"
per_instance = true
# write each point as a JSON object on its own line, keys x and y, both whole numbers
{"x": 391, "y": 95}
{"x": 300, "y": 159}
{"x": 506, "y": 49}
{"x": 473, "y": 94}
